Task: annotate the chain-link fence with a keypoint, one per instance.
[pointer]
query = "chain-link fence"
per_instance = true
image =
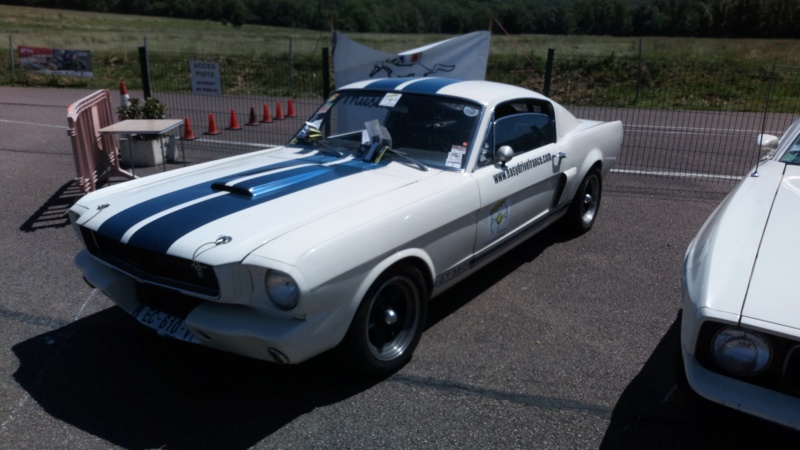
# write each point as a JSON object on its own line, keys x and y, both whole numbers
{"x": 263, "y": 101}
{"x": 690, "y": 117}
{"x": 694, "y": 118}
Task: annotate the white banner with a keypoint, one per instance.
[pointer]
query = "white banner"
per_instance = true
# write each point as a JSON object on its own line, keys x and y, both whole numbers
{"x": 463, "y": 57}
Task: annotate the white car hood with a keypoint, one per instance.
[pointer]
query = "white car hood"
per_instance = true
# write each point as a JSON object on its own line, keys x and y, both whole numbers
{"x": 251, "y": 199}
{"x": 719, "y": 261}
{"x": 773, "y": 295}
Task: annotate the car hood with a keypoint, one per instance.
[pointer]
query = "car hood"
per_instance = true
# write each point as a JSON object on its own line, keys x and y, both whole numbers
{"x": 221, "y": 211}
{"x": 772, "y": 295}
{"x": 719, "y": 260}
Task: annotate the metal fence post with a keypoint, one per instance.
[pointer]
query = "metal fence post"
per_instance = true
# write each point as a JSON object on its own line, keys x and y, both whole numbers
{"x": 144, "y": 65}
{"x": 639, "y": 72}
{"x": 326, "y": 74}
{"x": 11, "y": 53}
{"x": 290, "y": 65}
{"x": 548, "y": 71}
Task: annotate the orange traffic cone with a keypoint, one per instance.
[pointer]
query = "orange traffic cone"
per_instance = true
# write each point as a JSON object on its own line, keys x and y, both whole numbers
{"x": 290, "y": 109}
{"x": 124, "y": 98}
{"x": 212, "y": 125}
{"x": 253, "y": 121}
{"x": 234, "y": 123}
{"x": 266, "y": 118}
{"x": 188, "y": 134}
{"x": 278, "y": 112}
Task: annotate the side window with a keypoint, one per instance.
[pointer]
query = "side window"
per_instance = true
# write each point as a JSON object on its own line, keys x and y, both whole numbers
{"x": 523, "y": 132}
{"x": 523, "y": 125}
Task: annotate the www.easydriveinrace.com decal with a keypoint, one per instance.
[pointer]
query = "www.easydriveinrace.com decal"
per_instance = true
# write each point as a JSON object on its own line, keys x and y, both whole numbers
{"x": 522, "y": 167}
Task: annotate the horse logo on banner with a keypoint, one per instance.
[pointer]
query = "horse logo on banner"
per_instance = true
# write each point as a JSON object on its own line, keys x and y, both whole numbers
{"x": 408, "y": 66}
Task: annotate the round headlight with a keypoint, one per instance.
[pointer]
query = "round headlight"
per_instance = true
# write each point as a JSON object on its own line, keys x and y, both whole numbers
{"x": 282, "y": 289}
{"x": 741, "y": 352}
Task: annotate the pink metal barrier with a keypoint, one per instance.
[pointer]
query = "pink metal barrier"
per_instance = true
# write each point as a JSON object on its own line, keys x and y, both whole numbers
{"x": 96, "y": 154}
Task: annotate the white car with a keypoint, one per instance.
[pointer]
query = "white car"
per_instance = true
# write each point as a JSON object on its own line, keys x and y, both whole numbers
{"x": 392, "y": 192}
{"x": 740, "y": 321}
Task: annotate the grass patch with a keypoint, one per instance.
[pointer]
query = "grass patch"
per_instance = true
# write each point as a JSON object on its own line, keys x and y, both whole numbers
{"x": 679, "y": 73}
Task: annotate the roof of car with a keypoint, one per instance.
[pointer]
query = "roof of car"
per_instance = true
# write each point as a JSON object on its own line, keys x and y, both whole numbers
{"x": 484, "y": 92}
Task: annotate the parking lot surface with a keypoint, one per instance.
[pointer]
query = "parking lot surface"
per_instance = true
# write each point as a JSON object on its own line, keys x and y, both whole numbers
{"x": 561, "y": 344}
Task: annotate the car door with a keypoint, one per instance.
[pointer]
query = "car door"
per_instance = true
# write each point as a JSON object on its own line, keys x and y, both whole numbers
{"x": 517, "y": 195}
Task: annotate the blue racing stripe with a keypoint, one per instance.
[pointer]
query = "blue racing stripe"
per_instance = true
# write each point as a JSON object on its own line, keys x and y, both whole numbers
{"x": 429, "y": 85}
{"x": 388, "y": 84}
{"x": 160, "y": 234}
{"x": 116, "y": 226}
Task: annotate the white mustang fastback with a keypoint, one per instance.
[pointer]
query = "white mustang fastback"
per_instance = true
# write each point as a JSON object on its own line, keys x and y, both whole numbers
{"x": 392, "y": 192}
{"x": 740, "y": 322}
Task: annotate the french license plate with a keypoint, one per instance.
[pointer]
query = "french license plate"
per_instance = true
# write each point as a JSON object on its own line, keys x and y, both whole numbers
{"x": 164, "y": 324}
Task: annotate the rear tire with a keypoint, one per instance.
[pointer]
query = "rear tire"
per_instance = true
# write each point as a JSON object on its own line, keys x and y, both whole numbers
{"x": 585, "y": 204}
{"x": 388, "y": 323}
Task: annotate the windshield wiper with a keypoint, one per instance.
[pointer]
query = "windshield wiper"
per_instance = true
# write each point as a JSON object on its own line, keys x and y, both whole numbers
{"x": 310, "y": 134}
{"x": 325, "y": 147}
{"x": 408, "y": 159}
{"x": 382, "y": 143}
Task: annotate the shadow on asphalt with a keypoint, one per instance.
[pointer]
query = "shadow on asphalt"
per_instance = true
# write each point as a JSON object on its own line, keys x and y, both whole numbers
{"x": 53, "y": 213}
{"x": 651, "y": 413}
{"x": 466, "y": 290}
{"x": 112, "y": 378}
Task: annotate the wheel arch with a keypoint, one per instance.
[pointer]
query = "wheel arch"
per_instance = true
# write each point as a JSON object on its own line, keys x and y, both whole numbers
{"x": 593, "y": 161}
{"x": 415, "y": 257}
{"x": 571, "y": 183}
{"x": 374, "y": 354}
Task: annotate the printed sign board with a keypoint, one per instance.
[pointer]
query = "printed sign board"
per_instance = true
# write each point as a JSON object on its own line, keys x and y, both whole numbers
{"x": 205, "y": 78}
{"x": 53, "y": 61}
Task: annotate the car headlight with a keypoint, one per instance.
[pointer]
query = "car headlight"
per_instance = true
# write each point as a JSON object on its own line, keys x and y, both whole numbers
{"x": 73, "y": 216}
{"x": 740, "y": 352}
{"x": 281, "y": 289}
{"x": 73, "y": 220}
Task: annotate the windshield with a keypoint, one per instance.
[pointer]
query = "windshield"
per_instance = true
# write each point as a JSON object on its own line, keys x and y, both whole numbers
{"x": 432, "y": 130}
{"x": 792, "y": 154}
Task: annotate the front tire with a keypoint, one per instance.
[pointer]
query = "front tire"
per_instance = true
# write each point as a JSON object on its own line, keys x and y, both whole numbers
{"x": 388, "y": 323}
{"x": 585, "y": 204}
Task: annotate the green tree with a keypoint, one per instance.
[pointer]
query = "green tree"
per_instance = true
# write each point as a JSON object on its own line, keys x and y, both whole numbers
{"x": 608, "y": 17}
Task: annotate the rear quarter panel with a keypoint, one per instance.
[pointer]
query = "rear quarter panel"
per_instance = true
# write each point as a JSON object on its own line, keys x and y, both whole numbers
{"x": 590, "y": 143}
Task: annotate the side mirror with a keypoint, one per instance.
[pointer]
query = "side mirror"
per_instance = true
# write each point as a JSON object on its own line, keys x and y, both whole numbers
{"x": 504, "y": 154}
{"x": 767, "y": 142}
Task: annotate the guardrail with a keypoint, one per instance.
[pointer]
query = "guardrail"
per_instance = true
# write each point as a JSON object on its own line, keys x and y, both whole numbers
{"x": 96, "y": 154}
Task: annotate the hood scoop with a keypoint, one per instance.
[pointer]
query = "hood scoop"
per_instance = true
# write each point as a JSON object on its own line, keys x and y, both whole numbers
{"x": 270, "y": 183}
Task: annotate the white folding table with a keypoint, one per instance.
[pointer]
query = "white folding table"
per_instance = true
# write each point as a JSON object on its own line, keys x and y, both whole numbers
{"x": 145, "y": 127}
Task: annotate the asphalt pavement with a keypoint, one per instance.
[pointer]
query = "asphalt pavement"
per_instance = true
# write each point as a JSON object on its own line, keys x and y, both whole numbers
{"x": 562, "y": 344}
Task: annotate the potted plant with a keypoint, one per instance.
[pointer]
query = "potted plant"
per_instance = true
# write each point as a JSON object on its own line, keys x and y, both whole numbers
{"x": 144, "y": 149}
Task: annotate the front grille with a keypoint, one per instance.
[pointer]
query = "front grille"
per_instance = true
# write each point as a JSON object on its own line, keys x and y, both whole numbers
{"x": 153, "y": 267}
{"x": 782, "y": 374}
